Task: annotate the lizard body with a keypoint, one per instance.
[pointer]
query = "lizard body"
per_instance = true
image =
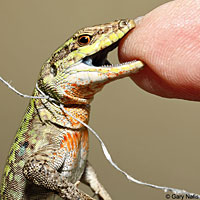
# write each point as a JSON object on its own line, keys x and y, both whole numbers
{"x": 49, "y": 155}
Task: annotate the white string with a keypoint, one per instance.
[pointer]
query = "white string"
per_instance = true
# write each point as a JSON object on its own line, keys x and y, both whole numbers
{"x": 104, "y": 148}
{"x": 19, "y": 93}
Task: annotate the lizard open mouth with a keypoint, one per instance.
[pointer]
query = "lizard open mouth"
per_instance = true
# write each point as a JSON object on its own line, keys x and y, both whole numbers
{"x": 99, "y": 59}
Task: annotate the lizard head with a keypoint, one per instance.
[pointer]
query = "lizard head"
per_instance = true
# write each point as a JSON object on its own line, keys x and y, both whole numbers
{"x": 79, "y": 68}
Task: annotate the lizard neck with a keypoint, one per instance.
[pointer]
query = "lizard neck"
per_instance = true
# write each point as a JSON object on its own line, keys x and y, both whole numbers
{"x": 49, "y": 112}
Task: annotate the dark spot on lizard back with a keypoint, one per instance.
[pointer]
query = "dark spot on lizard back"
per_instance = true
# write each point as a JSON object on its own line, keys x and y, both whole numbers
{"x": 26, "y": 144}
{"x": 16, "y": 139}
{"x": 11, "y": 152}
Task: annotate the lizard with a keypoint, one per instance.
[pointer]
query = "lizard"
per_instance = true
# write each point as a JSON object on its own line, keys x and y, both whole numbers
{"x": 49, "y": 155}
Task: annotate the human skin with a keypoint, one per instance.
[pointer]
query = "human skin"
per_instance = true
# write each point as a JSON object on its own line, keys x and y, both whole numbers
{"x": 167, "y": 40}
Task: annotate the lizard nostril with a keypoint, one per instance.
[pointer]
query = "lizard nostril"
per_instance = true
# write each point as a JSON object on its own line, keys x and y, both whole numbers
{"x": 123, "y": 23}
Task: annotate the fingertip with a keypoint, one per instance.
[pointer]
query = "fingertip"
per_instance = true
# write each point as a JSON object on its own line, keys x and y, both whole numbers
{"x": 167, "y": 40}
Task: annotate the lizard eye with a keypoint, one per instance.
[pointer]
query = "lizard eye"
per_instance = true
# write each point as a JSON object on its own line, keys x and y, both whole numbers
{"x": 53, "y": 70}
{"x": 84, "y": 39}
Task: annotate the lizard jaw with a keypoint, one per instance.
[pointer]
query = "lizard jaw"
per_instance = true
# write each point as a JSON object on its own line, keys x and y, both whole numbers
{"x": 99, "y": 59}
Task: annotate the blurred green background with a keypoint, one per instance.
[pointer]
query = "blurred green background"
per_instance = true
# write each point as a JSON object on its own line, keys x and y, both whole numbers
{"x": 154, "y": 139}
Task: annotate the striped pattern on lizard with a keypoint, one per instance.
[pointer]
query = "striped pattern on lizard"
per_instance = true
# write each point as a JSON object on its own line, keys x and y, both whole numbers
{"x": 49, "y": 155}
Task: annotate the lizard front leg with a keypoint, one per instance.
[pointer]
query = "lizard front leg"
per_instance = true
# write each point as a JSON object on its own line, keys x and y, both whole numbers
{"x": 89, "y": 177}
{"x": 38, "y": 169}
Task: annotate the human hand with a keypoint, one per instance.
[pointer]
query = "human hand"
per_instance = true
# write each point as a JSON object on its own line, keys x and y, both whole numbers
{"x": 167, "y": 40}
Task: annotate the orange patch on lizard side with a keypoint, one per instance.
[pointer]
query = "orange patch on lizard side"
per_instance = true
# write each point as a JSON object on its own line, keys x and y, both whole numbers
{"x": 75, "y": 140}
{"x": 65, "y": 138}
{"x": 74, "y": 84}
{"x": 85, "y": 140}
{"x": 78, "y": 135}
{"x": 62, "y": 144}
{"x": 74, "y": 154}
{"x": 70, "y": 140}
